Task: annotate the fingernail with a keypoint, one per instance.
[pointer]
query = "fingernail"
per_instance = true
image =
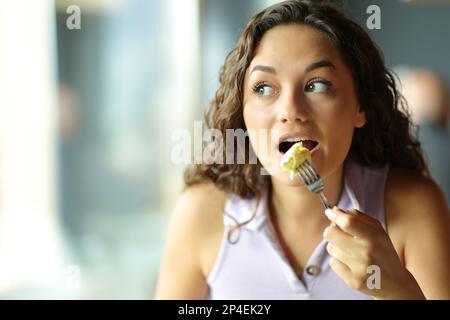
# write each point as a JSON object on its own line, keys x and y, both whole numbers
{"x": 330, "y": 214}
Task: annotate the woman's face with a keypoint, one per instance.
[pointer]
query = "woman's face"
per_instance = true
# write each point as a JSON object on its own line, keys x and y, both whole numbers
{"x": 298, "y": 86}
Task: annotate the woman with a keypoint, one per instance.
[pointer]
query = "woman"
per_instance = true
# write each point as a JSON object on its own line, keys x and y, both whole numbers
{"x": 305, "y": 71}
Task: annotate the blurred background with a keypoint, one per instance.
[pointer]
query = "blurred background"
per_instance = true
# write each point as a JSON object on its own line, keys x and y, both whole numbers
{"x": 87, "y": 116}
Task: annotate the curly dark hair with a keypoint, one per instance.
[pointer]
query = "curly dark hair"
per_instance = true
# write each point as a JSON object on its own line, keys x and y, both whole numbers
{"x": 386, "y": 137}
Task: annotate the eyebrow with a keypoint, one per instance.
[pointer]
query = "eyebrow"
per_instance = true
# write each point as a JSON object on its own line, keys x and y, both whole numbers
{"x": 320, "y": 64}
{"x": 260, "y": 67}
{"x": 311, "y": 67}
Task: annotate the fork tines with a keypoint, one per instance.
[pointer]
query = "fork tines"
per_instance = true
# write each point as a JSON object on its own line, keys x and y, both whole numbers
{"x": 310, "y": 176}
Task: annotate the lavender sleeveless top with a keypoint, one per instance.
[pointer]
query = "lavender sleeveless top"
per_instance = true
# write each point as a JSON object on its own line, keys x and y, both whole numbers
{"x": 256, "y": 267}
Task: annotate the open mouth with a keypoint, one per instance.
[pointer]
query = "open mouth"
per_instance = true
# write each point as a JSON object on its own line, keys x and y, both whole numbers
{"x": 284, "y": 146}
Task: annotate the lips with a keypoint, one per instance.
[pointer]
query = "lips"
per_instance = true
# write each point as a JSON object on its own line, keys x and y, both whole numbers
{"x": 286, "y": 141}
{"x": 308, "y": 144}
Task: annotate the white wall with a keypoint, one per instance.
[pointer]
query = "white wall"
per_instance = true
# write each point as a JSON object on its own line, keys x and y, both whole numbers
{"x": 29, "y": 242}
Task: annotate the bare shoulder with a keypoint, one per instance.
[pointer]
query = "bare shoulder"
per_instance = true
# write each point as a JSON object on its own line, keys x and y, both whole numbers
{"x": 414, "y": 195}
{"x": 200, "y": 207}
{"x": 418, "y": 223}
{"x": 200, "y": 210}
{"x": 202, "y": 201}
{"x": 193, "y": 238}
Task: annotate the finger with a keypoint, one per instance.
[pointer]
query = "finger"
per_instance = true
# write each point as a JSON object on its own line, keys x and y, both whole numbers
{"x": 341, "y": 269}
{"x": 364, "y": 217}
{"x": 339, "y": 238}
{"x": 338, "y": 253}
{"x": 350, "y": 222}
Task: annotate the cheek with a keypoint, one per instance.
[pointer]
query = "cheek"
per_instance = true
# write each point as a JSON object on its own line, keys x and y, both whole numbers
{"x": 339, "y": 135}
{"x": 259, "y": 124}
{"x": 337, "y": 122}
{"x": 254, "y": 117}
{"x": 338, "y": 132}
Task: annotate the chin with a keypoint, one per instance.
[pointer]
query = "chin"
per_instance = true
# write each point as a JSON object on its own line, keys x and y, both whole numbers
{"x": 284, "y": 178}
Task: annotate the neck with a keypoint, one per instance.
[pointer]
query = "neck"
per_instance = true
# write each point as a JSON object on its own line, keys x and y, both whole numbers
{"x": 297, "y": 207}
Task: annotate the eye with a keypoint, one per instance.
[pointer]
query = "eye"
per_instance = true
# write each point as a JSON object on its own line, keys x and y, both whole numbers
{"x": 263, "y": 89}
{"x": 318, "y": 85}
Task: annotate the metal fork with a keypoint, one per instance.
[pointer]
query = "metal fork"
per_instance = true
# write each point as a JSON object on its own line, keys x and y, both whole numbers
{"x": 313, "y": 181}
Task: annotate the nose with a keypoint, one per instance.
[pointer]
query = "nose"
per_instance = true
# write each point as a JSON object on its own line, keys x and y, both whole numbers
{"x": 293, "y": 109}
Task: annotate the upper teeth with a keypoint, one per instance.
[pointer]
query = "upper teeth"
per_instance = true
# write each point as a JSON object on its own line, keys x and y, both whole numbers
{"x": 294, "y": 140}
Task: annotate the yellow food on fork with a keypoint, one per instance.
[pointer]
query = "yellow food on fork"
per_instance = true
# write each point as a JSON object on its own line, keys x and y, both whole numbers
{"x": 295, "y": 156}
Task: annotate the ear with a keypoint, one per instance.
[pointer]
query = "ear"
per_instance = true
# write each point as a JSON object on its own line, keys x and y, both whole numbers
{"x": 360, "y": 119}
